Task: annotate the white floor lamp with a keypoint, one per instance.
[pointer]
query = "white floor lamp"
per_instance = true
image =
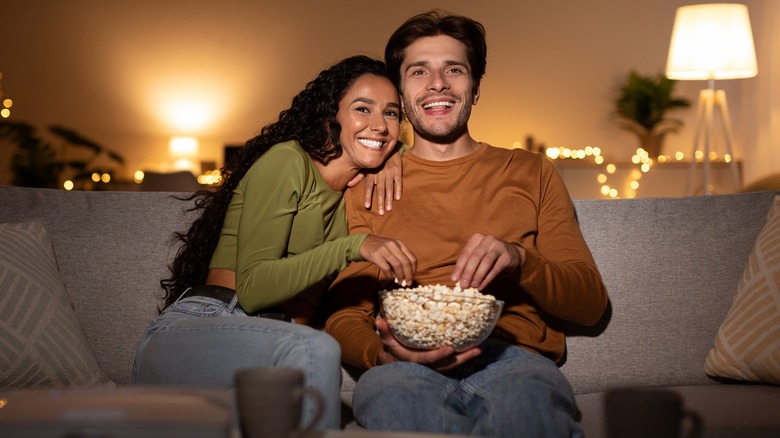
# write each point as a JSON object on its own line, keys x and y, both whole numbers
{"x": 711, "y": 42}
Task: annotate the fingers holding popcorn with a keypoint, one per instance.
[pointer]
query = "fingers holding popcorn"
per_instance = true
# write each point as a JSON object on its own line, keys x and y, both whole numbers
{"x": 391, "y": 256}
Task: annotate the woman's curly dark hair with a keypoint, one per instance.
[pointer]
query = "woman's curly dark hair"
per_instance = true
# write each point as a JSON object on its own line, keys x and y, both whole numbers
{"x": 311, "y": 120}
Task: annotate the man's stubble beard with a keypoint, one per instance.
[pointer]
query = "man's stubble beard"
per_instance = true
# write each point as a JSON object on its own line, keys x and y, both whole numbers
{"x": 437, "y": 133}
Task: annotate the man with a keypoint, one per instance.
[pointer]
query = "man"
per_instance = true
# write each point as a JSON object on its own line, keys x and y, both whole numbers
{"x": 496, "y": 219}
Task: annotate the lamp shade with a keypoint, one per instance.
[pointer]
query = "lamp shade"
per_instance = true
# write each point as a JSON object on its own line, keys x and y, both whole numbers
{"x": 712, "y": 41}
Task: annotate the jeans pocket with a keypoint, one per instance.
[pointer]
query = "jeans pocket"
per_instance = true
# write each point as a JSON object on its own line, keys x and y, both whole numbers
{"x": 197, "y": 306}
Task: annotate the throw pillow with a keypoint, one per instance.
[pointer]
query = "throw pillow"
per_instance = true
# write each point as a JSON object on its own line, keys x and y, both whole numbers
{"x": 747, "y": 346}
{"x": 42, "y": 343}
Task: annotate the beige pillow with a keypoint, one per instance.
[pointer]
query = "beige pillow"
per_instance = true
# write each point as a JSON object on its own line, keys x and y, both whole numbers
{"x": 747, "y": 346}
{"x": 42, "y": 343}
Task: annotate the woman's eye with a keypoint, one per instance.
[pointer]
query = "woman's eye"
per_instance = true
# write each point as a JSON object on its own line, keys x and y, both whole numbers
{"x": 362, "y": 109}
{"x": 391, "y": 114}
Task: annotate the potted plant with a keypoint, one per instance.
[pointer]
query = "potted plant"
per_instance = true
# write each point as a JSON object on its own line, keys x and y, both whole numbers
{"x": 39, "y": 162}
{"x": 642, "y": 106}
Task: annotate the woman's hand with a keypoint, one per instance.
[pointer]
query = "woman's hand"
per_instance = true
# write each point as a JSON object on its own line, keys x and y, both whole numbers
{"x": 441, "y": 359}
{"x": 392, "y": 257}
{"x": 387, "y": 181}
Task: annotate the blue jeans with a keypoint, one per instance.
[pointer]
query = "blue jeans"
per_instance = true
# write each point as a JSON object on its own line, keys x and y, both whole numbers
{"x": 201, "y": 341}
{"x": 507, "y": 391}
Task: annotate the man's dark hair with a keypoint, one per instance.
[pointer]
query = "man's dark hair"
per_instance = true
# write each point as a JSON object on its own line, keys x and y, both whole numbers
{"x": 433, "y": 23}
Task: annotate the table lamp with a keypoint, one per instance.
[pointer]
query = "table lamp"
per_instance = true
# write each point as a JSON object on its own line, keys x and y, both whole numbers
{"x": 184, "y": 150}
{"x": 711, "y": 42}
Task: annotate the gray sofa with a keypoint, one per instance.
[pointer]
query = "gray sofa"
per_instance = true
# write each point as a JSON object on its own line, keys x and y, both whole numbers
{"x": 671, "y": 266}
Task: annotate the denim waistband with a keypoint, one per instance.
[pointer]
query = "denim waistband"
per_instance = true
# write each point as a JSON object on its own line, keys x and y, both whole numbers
{"x": 227, "y": 296}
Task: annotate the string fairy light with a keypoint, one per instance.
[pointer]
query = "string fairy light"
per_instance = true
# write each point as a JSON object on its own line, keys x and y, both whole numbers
{"x": 641, "y": 159}
{"x": 5, "y": 110}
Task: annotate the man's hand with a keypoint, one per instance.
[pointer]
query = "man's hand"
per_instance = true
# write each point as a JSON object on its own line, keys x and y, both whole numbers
{"x": 483, "y": 258}
{"x": 391, "y": 256}
{"x": 441, "y": 359}
{"x": 387, "y": 181}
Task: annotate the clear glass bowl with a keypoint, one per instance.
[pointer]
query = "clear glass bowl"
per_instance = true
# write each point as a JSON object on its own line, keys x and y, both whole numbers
{"x": 428, "y": 320}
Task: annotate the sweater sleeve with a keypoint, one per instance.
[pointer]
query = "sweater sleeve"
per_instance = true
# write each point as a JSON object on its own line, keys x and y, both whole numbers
{"x": 266, "y": 274}
{"x": 353, "y": 301}
{"x": 559, "y": 271}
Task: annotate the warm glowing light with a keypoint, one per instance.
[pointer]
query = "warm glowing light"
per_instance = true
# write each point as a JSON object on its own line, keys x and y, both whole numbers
{"x": 634, "y": 185}
{"x": 553, "y": 153}
{"x": 184, "y": 164}
{"x": 8, "y": 103}
{"x": 727, "y": 158}
{"x": 209, "y": 178}
{"x": 713, "y": 156}
{"x": 588, "y": 150}
{"x": 187, "y": 103}
{"x": 581, "y": 154}
{"x": 699, "y": 155}
{"x": 68, "y": 185}
{"x": 711, "y": 41}
{"x": 138, "y": 176}
{"x": 598, "y": 159}
{"x": 635, "y": 174}
{"x": 597, "y": 151}
{"x": 662, "y": 158}
{"x": 5, "y": 113}
{"x": 636, "y": 159}
{"x": 105, "y": 178}
{"x": 645, "y": 168}
{"x": 183, "y": 147}
{"x": 605, "y": 189}
{"x": 679, "y": 156}
{"x": 96, "y": 177}
{"x": 566, "y": 152}
{"x": 517, "y": 145}
{"x": 611, "y": 168}
{"x": 613, "y": 193}
{"x": 601, "y": 178}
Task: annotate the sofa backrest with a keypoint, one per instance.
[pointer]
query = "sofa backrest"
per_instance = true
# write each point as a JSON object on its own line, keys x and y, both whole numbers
{"x": 671, "y": 267}
{"x": 112, "y": 249}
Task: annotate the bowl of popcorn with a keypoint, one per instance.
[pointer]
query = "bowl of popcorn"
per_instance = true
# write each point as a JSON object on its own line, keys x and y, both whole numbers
{"x": 429, "y": 317}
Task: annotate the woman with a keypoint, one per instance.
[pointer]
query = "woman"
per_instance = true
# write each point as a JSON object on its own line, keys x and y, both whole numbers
{"x": 270, "y": 239}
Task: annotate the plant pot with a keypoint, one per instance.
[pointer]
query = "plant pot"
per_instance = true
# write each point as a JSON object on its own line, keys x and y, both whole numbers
{"x": 652, "y": 143}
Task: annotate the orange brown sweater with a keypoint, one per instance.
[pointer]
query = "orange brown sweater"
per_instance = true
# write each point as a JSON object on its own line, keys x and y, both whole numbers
{"x": 515, "y": 195}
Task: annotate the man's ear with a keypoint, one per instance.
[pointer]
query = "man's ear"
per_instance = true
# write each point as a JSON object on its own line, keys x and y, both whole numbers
{"x": 476, "y": 95}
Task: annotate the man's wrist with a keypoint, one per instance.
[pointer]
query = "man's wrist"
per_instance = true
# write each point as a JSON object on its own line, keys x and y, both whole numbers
{"x": 383, "y": 357}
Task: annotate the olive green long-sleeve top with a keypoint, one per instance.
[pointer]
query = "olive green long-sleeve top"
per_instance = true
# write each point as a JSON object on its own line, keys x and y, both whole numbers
{"x": 285, "y": 231}
{"x": 515, "y": 195}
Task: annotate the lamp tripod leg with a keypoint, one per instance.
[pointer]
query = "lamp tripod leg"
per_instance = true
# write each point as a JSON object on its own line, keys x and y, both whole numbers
{"x": 720, "y": 102}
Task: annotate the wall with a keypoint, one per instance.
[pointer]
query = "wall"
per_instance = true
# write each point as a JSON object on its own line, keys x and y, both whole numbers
{"x": 113, "y": 71}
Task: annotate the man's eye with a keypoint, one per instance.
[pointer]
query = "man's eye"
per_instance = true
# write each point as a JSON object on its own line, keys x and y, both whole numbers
{"x": 417, "y": 72}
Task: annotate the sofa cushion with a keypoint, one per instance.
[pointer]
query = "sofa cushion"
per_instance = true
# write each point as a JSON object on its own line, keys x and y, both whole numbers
{"x": 112, "y": 250}
{"x": 43, "y": 343}
{"x": 747, "y": 346}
